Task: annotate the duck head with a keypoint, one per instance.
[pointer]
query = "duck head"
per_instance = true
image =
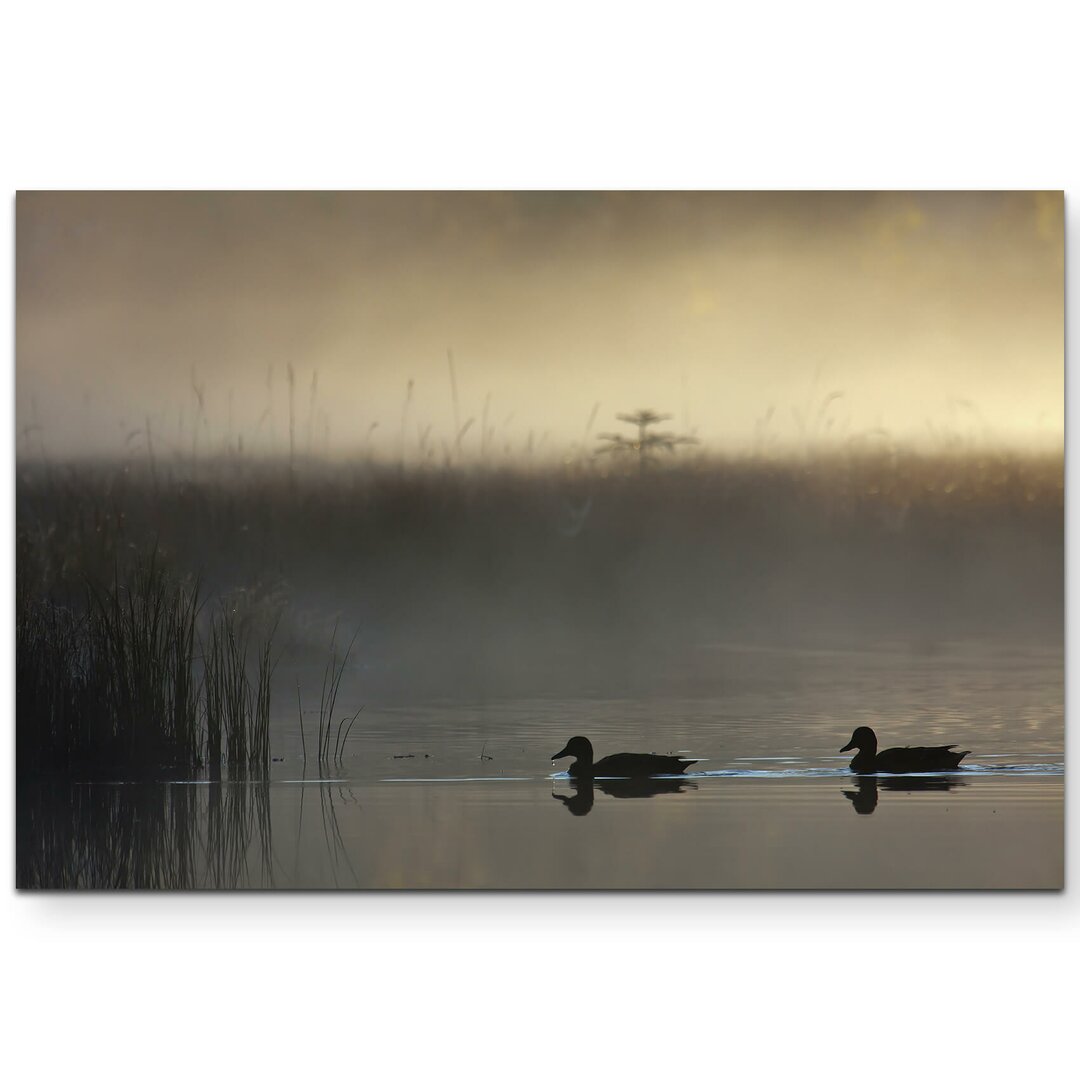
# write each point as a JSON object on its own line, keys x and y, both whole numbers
{"x": 862, "y": 739}
{"x": 578, "y": 747}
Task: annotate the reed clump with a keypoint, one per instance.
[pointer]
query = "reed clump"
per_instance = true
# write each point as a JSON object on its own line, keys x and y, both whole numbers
{"x": 236, "y": 706}
{"x": 124, "y": 684}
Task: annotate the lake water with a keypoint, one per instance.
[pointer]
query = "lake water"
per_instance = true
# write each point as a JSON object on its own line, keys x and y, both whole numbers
{"x": 460, "y": 792}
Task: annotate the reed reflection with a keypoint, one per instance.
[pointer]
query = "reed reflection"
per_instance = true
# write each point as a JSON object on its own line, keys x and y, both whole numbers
{"x": 865, "y": 798}
{"x": 637, "y": 787}
{"x": 143, "y": 836}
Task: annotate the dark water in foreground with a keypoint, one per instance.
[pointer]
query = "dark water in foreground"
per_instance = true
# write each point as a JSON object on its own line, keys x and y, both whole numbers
{"x": 460, "y": 793}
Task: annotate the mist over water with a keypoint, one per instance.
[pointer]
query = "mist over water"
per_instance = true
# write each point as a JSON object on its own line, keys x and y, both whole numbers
{"x": 464, "y": 579}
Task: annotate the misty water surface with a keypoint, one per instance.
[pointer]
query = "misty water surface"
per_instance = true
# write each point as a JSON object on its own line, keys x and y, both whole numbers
{"x": 462, "y": 793}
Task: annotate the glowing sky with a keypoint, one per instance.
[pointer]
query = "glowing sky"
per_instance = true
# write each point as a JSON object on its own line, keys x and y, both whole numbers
{"x": 932, "y": 314}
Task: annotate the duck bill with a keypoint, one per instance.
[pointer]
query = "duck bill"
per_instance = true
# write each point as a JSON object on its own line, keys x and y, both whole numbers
{"x": 564, "y": 752}
{"x": 850, "y": 746}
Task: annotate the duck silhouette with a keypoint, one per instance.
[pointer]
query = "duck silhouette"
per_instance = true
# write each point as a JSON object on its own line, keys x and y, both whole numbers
{"x": 899, "y": 759}
{"x": 617, "y": 765}
{"x": 631, "y": 787}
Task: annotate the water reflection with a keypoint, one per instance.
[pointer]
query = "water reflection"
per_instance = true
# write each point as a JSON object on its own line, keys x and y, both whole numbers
{"x": 340, "y": 868}
{"x": 865, "y": 798}
{"x": 638, "y": 787}
{"x": 143, "y": 836}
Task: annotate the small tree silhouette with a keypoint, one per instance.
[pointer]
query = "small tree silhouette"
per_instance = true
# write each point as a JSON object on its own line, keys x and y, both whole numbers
{"x": 647, "y": 441}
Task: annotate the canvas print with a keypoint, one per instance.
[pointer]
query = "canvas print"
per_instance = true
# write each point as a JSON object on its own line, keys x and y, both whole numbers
{"x": 539, "y": 540}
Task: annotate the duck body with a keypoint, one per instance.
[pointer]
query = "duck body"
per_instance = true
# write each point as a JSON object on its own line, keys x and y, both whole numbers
{"x": 900, "y": 759}
{"x": 617, "y": 765}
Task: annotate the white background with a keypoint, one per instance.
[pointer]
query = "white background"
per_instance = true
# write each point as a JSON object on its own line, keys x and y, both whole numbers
{"x": 554, "y": 95}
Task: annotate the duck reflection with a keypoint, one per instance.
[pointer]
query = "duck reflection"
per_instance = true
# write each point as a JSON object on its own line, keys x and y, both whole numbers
{"x": 635, "y": 787}
{"x": 865, "y": 798}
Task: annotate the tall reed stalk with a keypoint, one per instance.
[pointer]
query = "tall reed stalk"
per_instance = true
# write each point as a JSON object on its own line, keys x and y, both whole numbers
{"x": 331, "y": 684}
